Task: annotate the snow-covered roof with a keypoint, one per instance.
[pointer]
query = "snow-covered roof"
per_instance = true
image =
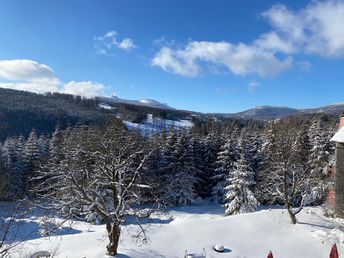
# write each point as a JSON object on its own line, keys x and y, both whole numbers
{"x": 339, "y": 136}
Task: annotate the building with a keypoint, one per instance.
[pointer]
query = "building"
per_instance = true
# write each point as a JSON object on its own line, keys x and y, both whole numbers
{"x": 339, "y": 174}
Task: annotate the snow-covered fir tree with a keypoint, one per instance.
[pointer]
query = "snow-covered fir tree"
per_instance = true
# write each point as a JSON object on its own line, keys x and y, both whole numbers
{"x": 32, "y": 152}
{"x": 240, "y": 180}
{"x": 320, "y": 159}
{"x": 182, "y": 178}
{"x": 267, "y": 177}
{"x": 210, "y": 145}
{"x": 197, "y": 149}
{"x": 225, "y": 163}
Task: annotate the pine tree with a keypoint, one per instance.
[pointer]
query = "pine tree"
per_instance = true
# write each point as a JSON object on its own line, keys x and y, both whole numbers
{"x": 207, "y": 180}
{"x": 239, "y": 197}
{"x": 56, "y": 153}
{"x": 21, "y": 166}
{"x": 6, "y": 171}
{"x": 197, "y": 149}
{"x": 153, "y": 172}
{"x": 225, "y": 163}
{"x": 43, "y": 146}
{"x": 12, "y": 174}
{"x": 320, "y": 148}
{"x": 182, "y": 178}
{"x": 268, "y": 179}
{"x": 319, "y": 159}
{"x": 32, "y": 153}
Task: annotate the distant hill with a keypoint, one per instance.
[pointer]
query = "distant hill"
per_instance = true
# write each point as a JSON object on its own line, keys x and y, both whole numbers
{"x": 21, "y": 111}
{"x": 267, "y": 112}
{"x": 271, "y": 112}
{"x": 143, "y": 102}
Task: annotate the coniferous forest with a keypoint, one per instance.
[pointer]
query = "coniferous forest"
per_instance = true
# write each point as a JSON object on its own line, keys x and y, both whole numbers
{"x": 235, "y": 163}
{"x": 92, "y": 167}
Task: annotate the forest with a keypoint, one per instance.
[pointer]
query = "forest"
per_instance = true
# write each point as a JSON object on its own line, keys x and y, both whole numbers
{"x": 21, "y": 111}
{"x": 79, "y": 170}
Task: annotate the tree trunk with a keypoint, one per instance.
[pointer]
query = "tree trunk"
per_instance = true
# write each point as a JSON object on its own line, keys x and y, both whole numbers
{"x": 291, "y": 214}
{"x": 114, "y": 232}
{"x": 287, "y": 198}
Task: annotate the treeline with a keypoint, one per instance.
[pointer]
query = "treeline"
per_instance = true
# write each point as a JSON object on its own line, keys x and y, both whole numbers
{"x": 22, "y": 111}
{"x": 138, "y": 113}
{"x": 239, "y": 164}
{"x": 20, "y": 159}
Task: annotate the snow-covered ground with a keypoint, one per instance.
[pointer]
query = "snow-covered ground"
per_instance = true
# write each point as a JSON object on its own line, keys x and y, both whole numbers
{"x": 155, "y": 125}
{"x": 196, "y": 227}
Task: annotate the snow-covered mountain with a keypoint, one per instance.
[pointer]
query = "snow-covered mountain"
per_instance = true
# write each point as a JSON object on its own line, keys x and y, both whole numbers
{"x": 260, "y": 112}
{"x": 273, "y": 112}
{"x": 154, "y": 103}
{"x": 142, "y": 102}
{"x": 267, "y": 112}
{"x": 330, "y": 109}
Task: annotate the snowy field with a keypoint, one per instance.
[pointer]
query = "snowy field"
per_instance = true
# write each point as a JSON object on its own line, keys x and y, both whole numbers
{"x": 155, "y": 125}
{"x": 196, "y": 227}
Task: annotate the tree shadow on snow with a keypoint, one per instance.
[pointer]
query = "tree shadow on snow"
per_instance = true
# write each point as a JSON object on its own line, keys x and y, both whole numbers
{"x": 146, "y": 253}
{"x": 210, "y": 208}
{"x": 122, "y": 256}
{"x": 135, "y": 221}
{"x": 29, "y": 230}
{"x": 316, "y": 225}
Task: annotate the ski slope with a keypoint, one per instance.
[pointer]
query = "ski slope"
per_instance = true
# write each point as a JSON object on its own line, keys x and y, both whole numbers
{"x": 154, "y": 125}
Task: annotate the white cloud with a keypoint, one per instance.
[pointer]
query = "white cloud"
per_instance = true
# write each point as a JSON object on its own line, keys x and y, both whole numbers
{"x": 175, "y": 61}
{"x": 83, "y": 88}
{"x": 252, "y": 86}
{"x": 273, "y": 42}
{"x": 104, "y": 44}
{"x": 240, "y": 59}
{"x": 126, "y": 44}
{"x": 29, "y": 75}
{"x": 317, "y": 29}
{"x": 285, "y": 22}
{"x": 38, "y": 87}
{"x": 23, "y": 69}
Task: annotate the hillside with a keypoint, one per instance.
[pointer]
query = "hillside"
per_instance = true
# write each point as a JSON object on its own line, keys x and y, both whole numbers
{"x": 271, "y": 112}
{"x": 22, "y": 111}
{"x": 142, "y": 102}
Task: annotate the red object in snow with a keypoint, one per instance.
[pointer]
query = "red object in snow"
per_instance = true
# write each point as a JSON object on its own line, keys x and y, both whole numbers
{"x": 271, "y": 256}
{"x": 334, "y": 251}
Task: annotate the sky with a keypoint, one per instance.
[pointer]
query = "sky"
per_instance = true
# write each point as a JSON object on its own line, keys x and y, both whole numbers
{"x": 207, "y": 56}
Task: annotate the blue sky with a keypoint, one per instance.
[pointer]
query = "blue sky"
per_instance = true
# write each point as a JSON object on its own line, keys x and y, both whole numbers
{"x": 208, "y": 56}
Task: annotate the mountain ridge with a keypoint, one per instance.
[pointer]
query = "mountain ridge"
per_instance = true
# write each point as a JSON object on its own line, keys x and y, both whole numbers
{"x": 274, "y": 112}
{"x": 142, "y": 102}
{"x": 262, "y": 112}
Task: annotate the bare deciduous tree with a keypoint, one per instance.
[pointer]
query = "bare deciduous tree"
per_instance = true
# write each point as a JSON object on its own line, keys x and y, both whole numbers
{"x": 288, "y": 165}
{"x": 98, "y": 178}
